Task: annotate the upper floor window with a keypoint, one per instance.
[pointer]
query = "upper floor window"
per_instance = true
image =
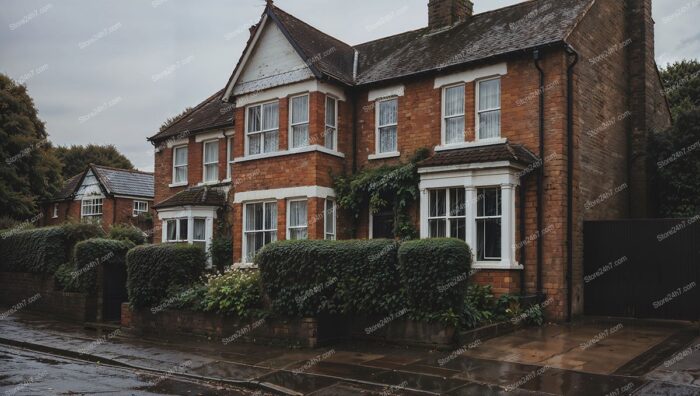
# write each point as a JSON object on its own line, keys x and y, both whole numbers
{"x": 331, "y": 136}
{"x": 91, "y": 207}
{"x": 262, "y": 128}
{"x": 180, "y": 165}
{"x": 488, "y": 224}
{"x": 453, "y": 114}
{"x": 299, "y": 121}
{"x": 298, "y": 227}
{"x": 211, "y": 161}
{"x": 140, "y": 207}
{"x": 387, "y": 125}
{"x": 488, "y": 108}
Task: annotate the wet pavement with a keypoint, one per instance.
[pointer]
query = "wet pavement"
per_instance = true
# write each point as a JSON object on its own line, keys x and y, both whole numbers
{"x": 591, "y": 357}
{"x": 31, "y": 373}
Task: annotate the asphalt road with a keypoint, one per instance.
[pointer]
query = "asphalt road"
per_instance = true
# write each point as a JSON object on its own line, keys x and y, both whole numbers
{"x": 24, "y": 373}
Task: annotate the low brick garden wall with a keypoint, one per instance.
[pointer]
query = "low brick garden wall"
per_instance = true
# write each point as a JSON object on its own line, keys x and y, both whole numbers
{"x": 37, "y": 293}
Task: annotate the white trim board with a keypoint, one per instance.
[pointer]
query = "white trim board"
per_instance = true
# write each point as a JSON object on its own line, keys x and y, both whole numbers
{"x": 498, "y": 69}
{"x": 209, "y": 136}
{"x": 289, "y": 90}
{"x": 387, "y": 92}
{"x": 284, "y": 193}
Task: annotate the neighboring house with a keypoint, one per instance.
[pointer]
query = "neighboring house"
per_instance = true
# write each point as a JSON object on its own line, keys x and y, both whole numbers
{"x": 103, "y": 195}
{"x": 536, "y": 116}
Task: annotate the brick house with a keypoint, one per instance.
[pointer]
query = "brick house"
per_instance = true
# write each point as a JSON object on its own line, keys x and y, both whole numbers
{"x": 104, "y": 195}
{"x": 536, "y": 115}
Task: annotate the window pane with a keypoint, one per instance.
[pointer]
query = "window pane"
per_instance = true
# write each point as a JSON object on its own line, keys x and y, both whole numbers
{"x": 300, "y": 135}
{"x": 211, "y": 172}
{"x": 254, "y": 144}
{"x": 489, "y": 94}
{"x": 297, "y": 213}
{"x": 387, "y": 139}
{"x": 252, "y": 212}
{"x": 199, "y": 229}
{"x": 489, "y": 239}
{"x": 271, "y": 215}
{"x": 254, "y": 119}
{"x": 183, "y": 230}
{"x": 298, "y": 234}
{"x": 437, "y": 203}
{"x": 211, "y": 152}
{"x": 300, "y": 109}
{"x": 457, "y": 202}
{"x": 330, "y": 219}
{"x": 271, "y": 117}
{"x": 458, "y": 228}
{"x": 181, "y": 174}
{"x": 252, "y": 245}
{"x": 490, "y": 124}
{"x": 454, "y": 101}
{"x": 171, "y": 230}
{"x": 454, "y": 130}
{"x": 388, "y": 112}
{"x": 437, "y": 228}
{"x": 330, "y": 138}
{"x": 271, "y": 141}
{"x": 330, "y": 112}
{"x": 181, "y": 156}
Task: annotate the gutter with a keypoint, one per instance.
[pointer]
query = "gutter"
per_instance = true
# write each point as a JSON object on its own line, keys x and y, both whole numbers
{"x": 569, "y": 179}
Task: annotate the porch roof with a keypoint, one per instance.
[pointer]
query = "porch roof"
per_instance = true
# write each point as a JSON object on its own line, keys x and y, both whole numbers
{"x": 497, "y": 152}
{"x": 195, "y": 196}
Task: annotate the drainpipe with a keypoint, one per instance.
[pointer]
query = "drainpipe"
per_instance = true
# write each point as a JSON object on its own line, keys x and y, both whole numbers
{"x": 540, "y": 176}
{"x": 523, "y": 255}
{"x": 569, "y": 179}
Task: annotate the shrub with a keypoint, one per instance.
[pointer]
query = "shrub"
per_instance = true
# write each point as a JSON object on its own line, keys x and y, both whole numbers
{"x": 434, "y": 273}
{"x": 308, "y": 278}
{"x": 155, "y": 270}
{"x": 127, "y": 232}
{"x": 88, "y": 255}
{"x": 221, "y": 253}
{"x": 478, "y": 306}
{"x": 234, "y": 293}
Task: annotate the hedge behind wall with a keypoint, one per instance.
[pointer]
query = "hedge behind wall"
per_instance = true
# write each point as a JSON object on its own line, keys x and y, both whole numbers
{"x": 81, "y": 275}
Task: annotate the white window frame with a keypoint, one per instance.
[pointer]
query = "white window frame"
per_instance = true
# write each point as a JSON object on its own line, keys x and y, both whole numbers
{"x": 448, "y": 217}
{"x": 245, "y": 233}
{"x": 262, "y": 130}
{"x": 330, "y": 235}
{"x": 334, "y": 143}
{"x": 290, "y": 134}
{"x": 444, "y": 117}
{"x": 55, "y": 211}
{"x": 205, "y": 163}
{"x": 136, "y": 211}
{"x": 499, "y": 217}
{"x": 289, "y": 217}
{"x": 178, "y": 223}
{"x": 175, "y": 166}
{"x": 477, "y": 111}
{"x": 204, "y": 241}
{"x": 378, "y": 127}
{"x": 94, "y": 204}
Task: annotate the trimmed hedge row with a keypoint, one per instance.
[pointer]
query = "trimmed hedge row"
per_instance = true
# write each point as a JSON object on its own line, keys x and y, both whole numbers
{"x": 81, "y": 275}
{"x": 309, "y": 278}
{"x": 42, "y": 250}
{"x": 155, "y": 270}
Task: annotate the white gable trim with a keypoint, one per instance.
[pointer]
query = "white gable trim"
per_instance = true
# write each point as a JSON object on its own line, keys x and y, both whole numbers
{"x": 396, "y": 90}
{"x": 244, "y": 60}
{"x": 498, "y": 69}
{"x": 288, "y": 90}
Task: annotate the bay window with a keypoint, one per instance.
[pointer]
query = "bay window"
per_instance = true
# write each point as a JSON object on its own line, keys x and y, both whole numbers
{"x": 299, "y": 121}
{"x": 488, "y": 109}
{"x": 488, "y": 224}
{"x": 453, "y": 114}
{"x": 330, "y": 220}
{"x": 260, "y": 227}
{"x": 447, "y": 214}
{"x": 177, "y": 230}
{"x": 331, "y": 135}
{"x": 387, "y": 126}
{"x": 180, "y": 165}
{"x": 211, "y": 161}
{"x": 262, "y": 128}
{"x": 199, "y": 232}
{"x": 297, "y": 224}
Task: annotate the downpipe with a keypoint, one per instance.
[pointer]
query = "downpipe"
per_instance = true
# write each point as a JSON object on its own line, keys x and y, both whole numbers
{"x": 569, "y": 178}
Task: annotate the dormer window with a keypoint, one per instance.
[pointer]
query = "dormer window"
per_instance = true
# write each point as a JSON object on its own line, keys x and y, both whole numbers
{"x": 488, "y": 96}
{"x": 387, "y": 126}
{"x": 453, "y": 114}
{"x": 262, "y": 128}
{"x": 299, "y": 121}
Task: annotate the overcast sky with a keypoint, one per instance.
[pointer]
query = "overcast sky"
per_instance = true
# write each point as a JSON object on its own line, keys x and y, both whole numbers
{"x": 112, "y": 71}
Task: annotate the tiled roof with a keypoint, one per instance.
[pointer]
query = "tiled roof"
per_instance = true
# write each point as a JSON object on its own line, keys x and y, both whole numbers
{"x": 199, "y": 196}
{"x": 69, "y": 187}
{"x": 212, "y": 113}
{"x": 497, "y": 152}
{"x": 125, "y": 182}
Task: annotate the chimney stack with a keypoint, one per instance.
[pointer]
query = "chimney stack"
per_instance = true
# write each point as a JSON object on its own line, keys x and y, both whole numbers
{"x": 445, "y": 13}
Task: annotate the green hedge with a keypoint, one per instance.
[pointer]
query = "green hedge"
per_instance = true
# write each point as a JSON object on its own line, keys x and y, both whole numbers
{"x": 307, "y": 278}
{"x": 127, "y": 232}
{"x": 154, "y": 270}
{"x": 81, "y": 276}
{"x": 434, "y": 273}
{"x": 42, "y": 250}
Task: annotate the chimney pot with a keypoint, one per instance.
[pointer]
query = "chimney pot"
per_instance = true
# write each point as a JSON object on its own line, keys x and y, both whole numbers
{"x": 444, "y": 13}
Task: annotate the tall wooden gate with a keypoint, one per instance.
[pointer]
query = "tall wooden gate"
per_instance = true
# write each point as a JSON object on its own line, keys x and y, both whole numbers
{"x": 642, "y": 268}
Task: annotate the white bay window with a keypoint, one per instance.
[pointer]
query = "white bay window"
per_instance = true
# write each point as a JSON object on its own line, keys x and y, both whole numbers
{"x": 488, "y": 224}
{"x": 262, "y": 128}
{"x": 447, "y": 216}
{"x": 193, "y": 225}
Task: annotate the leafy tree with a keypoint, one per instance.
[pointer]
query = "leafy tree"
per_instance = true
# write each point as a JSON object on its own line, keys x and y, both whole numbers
{"x": 29, "y": 170}
{"x": 676, "y": 152}
{"x": 170, "y": 121}
{"x": 76, "y": 159}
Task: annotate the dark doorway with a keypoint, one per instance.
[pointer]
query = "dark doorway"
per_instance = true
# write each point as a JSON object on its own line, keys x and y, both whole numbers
{"x": 383, "y": 224}
{"x": 113, "y": 291}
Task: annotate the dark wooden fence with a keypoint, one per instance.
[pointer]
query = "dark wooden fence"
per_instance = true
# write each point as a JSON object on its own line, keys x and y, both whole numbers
{"x": 642, "y": 268}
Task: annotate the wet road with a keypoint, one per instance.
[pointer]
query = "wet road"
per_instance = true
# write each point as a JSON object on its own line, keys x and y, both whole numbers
{"x": 24, "y": 373}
